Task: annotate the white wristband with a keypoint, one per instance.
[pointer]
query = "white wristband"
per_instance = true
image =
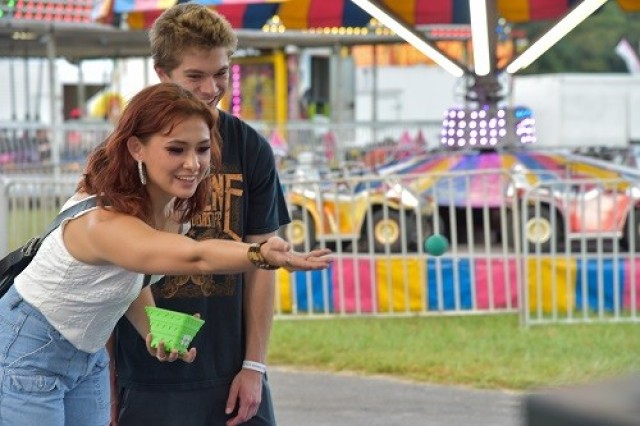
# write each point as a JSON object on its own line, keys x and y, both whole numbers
{"x": 255, "y": 366}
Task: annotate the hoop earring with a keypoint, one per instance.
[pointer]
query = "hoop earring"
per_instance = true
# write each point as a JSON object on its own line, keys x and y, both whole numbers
{"x": 141, "y": 173}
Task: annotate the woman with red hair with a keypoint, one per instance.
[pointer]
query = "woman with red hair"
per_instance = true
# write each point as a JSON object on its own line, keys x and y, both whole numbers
{"x": 150, "y": 178}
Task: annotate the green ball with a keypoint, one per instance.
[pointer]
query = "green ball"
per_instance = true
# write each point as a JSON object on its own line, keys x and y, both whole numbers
{"x": 436, "y": 245}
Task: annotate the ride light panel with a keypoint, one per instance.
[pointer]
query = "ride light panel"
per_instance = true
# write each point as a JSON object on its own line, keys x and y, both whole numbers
{"x": 487, "y": 127}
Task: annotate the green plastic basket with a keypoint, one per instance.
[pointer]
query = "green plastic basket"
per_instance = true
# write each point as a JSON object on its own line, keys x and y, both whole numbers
{"x": 175, "y": 329}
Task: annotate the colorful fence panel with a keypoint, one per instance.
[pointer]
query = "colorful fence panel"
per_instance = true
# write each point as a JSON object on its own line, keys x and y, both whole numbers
{"x": 551, "y": 283}
{"x": 599, "y": 284}
{"x": 555, "y": 285}
{"x": 354, "y": 284}
{"x": 496, "y": 284}
{"x": 400, "y": 286}
{"x": 449, "y": 284}
{"x": 631, "y": 292}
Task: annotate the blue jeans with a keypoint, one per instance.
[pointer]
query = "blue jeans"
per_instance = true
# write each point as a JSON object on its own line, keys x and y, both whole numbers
{"x": 44, "y": 379}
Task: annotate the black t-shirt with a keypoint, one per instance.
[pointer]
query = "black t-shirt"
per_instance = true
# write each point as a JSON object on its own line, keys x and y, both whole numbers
{"x": 247, "y": 199}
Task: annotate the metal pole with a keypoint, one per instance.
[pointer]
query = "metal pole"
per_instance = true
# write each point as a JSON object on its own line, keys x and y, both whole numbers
{"x": 12, "y": 88}
{"x": 81, "y": 94}
{"x": 374, "y": 93}
{"x": 336, "y": 83}
{"x": 53, "y": 105}
{"x": 27, "y": 88}
{"x": 337, "y": 113}
{"x": 37, "y": 108}
{"x": 4, "y": 217}
{"x": 492, "y": 29}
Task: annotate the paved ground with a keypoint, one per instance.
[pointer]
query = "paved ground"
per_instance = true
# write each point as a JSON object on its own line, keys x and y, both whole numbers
{"x": 320, "y": 399}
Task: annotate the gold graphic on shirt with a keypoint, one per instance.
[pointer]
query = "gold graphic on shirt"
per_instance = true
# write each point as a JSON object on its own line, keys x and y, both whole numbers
{"x": 220, "y": 220}
{"x": 226, "y": 189}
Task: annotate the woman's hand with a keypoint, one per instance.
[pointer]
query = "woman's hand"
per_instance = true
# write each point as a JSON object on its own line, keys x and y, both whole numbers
{"x": 277, "y": 252}
{"x": 163, "y": 356}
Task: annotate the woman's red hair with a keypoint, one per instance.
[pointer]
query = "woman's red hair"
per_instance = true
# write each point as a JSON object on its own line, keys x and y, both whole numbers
{"x": 111, "y": 171}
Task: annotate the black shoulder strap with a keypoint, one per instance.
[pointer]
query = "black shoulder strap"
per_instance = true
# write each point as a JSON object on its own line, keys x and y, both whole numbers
{"x": 33, "y": 244}
{"x": 14, "y": 263}
{"x": 86, "y": 204}
{"x": 146, "y": 281}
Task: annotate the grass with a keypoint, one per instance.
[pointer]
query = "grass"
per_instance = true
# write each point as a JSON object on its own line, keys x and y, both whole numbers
{"x": 490, "y": 351}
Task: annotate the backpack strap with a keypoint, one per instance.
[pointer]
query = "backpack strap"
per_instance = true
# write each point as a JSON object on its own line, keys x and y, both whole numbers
{"x": 34, "y": 244}
{"x": 146, "y": 281}
{"x": 86, "y": 204}
{"x": 29, "y": 249}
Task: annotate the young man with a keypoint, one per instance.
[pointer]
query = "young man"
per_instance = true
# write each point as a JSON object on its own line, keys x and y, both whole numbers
{"x": 191, "y": 45}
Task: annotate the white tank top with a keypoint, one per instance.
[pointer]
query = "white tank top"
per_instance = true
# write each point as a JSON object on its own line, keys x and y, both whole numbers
{"x": 83, "y": 302}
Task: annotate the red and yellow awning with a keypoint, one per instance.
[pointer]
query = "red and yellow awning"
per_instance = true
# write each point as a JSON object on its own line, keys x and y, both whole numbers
{"x": 301, "y": 14}
{"x": 304, "y": 14}
{"x": 540, "y": 10}
{"x": 125, "y": 6}
{"x": 240, "y": 13}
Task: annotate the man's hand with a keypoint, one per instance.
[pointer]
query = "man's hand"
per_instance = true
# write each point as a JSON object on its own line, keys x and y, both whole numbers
{"x": 246, "y": 393}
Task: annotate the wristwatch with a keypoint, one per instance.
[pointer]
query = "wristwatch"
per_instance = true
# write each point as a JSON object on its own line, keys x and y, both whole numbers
{"x": 256, "y": 257}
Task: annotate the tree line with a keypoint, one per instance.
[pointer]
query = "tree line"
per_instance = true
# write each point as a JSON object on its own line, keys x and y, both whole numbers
{"x": 590, "y": 47}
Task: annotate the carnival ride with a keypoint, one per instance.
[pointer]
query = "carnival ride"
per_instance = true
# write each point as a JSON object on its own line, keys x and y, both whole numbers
{"x": 558, "y": 198}
{"x": 266, "y": 87}
{"x": 341, "y": 207}
{"x": 555, "y": 212}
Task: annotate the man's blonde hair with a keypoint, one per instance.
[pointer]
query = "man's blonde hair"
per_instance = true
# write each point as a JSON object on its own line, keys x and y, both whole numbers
{"x": 186, "y": 26}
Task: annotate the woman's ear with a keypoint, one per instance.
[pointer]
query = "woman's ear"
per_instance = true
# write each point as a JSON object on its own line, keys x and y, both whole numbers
{"x": 135, "y": 148}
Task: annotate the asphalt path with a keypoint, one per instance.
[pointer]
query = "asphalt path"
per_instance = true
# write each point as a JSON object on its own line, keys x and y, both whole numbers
{"x": 322, "y": 399}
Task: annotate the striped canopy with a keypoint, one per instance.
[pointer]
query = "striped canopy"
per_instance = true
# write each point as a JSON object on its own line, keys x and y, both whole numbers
{"x": 252, "y": 14}
{"x": 125, "y": 6}
{"x": 537, "y": 167}
{"x": 300, "y": 14}
{"x": 539, "y": 10}
{"x": 303, "y": 14}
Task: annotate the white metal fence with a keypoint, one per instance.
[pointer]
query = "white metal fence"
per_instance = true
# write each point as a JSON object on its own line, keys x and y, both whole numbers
{"x": 38, "y": 148}
{"x": 552, "y": 247}
{"x": 28, "y": 203}
{"x": 584, "y": 265}
{"x": 562, "y": 250}
{"x": 507, "y": 254}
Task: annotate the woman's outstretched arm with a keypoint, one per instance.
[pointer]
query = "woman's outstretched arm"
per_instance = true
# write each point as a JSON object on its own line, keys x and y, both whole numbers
{"x": 104, "y": 236}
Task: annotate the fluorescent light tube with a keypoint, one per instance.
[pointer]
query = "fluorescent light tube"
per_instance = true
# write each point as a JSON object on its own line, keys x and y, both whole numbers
{"x": 410, "y": 37}
{"x": 480, "y": 36}
{"x": 551, "y": 37}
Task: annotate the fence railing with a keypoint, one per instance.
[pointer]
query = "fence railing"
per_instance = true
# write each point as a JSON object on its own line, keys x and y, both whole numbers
{"x": 580, "y": 254}
{"x": 28, "y": 203}
{"x": 563, "y": 250}
{"x": 33, "y": 147}
{"x": 558, "y": 250}
{"x": 507, "y": 254}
